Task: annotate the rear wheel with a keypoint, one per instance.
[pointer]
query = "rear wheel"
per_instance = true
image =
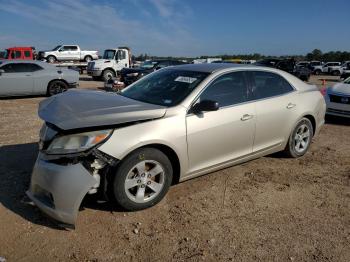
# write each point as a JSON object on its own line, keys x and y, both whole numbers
{"x": 55, "y": 87}
{"x": 300, "y": 139}
{"x": 87, "y": 58}
{"x": 336, "y": 73}
{"x": 142, "y": 179}
{"x": 108, "y": 74}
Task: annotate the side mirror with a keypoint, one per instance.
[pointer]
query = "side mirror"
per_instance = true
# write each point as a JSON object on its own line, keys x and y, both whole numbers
{"x": 205, "y": 106}
{"x": 2, "y": 71}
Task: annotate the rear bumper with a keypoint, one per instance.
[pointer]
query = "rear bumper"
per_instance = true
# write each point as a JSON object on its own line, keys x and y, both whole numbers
{"x": 58, "y": 190}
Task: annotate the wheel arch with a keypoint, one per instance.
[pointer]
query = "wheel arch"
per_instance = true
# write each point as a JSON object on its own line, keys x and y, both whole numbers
{"x": 169, "y": 152}
{"x": 313, "y": 122}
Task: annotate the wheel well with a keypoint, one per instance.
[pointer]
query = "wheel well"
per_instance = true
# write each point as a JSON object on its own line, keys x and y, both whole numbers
{"x": 313, "y": 122}
{"x": 170, "y": 153}
{"x": 87, "y": 56}
{"x": 109, "y": 68}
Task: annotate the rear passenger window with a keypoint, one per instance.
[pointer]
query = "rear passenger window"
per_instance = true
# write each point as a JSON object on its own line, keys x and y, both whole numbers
{"x": 227, "y": 90}
{"x": 27, "y": 53}
{"x": 21, "y": 67}
{"x": 267, "y": 84}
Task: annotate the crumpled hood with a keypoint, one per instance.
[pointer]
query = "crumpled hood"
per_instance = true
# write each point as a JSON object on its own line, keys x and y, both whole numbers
{"x": 83, "y": 108}
{"x": 341, "y": 88}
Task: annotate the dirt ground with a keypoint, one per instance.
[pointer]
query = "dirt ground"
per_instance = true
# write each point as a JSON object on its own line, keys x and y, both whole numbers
{"x": 270, "y": 209}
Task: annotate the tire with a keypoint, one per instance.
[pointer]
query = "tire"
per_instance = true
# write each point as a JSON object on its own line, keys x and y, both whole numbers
{"x": 107, "y": 74}
{"x": 318, "y": 72}
{"x": 87, "y": 58}
{"x": 142, "y": 179}
{"x": 303, "y": 132}
{"x": 56, "y": 87}
{"x": 336, "y": 73}
{"x": 51, "y": 59}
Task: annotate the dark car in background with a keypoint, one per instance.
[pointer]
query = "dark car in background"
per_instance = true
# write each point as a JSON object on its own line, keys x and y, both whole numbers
{"x": 288, "y": 65}
{"x": 130, "y": 75}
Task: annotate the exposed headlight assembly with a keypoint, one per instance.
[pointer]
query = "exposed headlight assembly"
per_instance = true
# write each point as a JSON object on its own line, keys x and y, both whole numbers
{"x": 76, "y": 143}
{"x": 132, "y": 74}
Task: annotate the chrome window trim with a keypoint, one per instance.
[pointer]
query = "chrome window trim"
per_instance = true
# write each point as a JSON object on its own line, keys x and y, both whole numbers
{"x": 246, "y": 102}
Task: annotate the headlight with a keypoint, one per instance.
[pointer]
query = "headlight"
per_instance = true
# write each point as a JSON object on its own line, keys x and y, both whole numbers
{"x": 132, "y": 74}
{"x": 76, "y": 143}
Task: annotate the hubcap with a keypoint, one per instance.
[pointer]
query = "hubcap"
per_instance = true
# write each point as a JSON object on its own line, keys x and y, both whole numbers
{"x": 144, "y": 181}
{"x": 302, "y": 138}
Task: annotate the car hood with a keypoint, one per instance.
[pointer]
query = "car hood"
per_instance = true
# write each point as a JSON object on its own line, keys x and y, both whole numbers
{"x": 125, "y": 71}
{"x": 82, "y": 108}
{"x": 341, "y": 88}
{"x": 102, "y": 61}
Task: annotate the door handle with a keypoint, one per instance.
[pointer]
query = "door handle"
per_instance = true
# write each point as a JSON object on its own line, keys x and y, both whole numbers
{"x": 28, "y": 74}
{"x": 246, "y": 117}
{"x": 290, "y": 105}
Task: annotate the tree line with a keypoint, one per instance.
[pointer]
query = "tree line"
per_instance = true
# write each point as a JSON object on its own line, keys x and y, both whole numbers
{"x": 316, "y": 54}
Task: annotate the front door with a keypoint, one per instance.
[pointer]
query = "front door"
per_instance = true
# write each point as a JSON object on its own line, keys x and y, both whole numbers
{"x": 220, "y": 136}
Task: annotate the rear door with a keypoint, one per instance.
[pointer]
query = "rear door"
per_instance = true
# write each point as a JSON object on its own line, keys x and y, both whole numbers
{"x": 220, "y": 136}
{"x": 275, "y": 103}
{"x": 16, "y": 80}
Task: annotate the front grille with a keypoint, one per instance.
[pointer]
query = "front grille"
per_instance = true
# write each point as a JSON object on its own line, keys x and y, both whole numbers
{"x": 91, "y": 65}
{"x": 339, "y": 99}
{"x": 336, "y": 111}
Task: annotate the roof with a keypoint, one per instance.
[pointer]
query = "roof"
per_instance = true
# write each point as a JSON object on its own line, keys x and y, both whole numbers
{"x": 44, "y": 64}
{"x": 20, "y": 47}
{"x": 210, "y": 67}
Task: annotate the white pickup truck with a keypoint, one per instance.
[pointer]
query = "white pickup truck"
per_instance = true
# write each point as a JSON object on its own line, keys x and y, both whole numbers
{"x": 112, "y": 62}
{"x": 67, "y": 53}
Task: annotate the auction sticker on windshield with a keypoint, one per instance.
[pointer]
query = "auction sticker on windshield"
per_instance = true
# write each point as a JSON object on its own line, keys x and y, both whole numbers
{"x": 185, "y": 79}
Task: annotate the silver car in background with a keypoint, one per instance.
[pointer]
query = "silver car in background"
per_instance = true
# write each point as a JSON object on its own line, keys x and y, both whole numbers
{"x": 172, "y": 125}
{"x": 338, "y": 99}
{"x": 27, "y": 77}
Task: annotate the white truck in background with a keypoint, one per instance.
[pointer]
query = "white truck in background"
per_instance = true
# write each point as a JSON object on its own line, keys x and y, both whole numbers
{"x": 112, "y": 62}
{"x": 67, "y": 53}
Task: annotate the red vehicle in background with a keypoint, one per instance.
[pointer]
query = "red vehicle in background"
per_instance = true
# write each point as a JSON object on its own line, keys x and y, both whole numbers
{"x": 20, "y": 53}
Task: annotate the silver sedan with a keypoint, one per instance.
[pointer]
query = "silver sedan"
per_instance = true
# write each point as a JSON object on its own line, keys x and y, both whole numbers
{"x": 21, "y": 77}
{"x": 172, "y": 125}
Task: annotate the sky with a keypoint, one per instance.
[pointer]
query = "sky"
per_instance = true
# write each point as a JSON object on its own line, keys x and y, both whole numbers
{"x": 179, "y": 27}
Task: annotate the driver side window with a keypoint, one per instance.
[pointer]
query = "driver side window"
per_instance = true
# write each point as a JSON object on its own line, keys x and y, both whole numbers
{"x": 227, "y": 90}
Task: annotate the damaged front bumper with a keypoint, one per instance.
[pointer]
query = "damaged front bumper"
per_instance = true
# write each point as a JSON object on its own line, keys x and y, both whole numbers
{"x": 58, "y": 189}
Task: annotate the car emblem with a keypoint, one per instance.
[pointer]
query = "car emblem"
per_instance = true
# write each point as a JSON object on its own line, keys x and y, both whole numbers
{"x": 344, "y": 100}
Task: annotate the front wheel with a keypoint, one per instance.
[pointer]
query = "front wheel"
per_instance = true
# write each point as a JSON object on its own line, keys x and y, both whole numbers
{"x": 51, "y": 59}
{"x": 142, "y": 179}
{"x": 300, "y": 139}
{"x": 108, "y": 74}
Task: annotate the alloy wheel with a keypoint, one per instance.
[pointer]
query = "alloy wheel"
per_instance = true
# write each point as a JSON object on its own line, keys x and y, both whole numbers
{"x": 302, "y": 138}
{"x": 144, "y": 181}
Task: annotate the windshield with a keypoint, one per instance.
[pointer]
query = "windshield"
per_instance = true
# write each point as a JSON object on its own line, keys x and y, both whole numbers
{"x": 347, "y": 81}
{"x": 6, "y": 54}
{"x": 56, "y": 48}
{"x": 109, "y": 54}
{"x": 148, "y": 64}
{"x": 166, "y": 87}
